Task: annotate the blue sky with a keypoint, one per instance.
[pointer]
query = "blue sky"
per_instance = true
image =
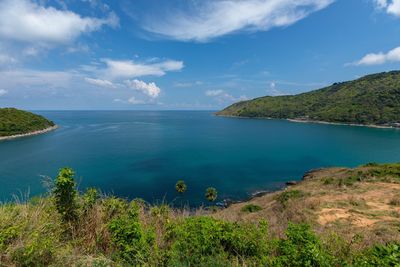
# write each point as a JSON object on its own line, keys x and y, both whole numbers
{"x": 187, "y": 54}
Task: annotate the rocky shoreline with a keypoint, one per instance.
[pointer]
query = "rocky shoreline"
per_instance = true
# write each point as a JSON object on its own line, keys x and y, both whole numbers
{"x": 11, "y": 137}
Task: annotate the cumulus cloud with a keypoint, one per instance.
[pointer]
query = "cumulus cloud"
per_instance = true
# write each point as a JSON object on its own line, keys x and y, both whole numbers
{"x": 208, "y": 19}
{"x": 150, "y": 89}
{"x": 27, "y": 21}
{"x": 129, "y": 69}
{"x": 3, "y": 92}
{"x": 99, "y": 82}
{"x": 391, "y": 6}
{"x": 379, "y": 58}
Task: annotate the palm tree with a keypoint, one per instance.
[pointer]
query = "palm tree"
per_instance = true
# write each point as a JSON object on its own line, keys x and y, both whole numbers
{"x": 211, "y": 194}
{"x": 180, "y": 187}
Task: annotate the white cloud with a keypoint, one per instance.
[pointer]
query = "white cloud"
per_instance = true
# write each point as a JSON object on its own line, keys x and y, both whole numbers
{"x": 214, "y": 92}
{"x": 208, "y": 19}
{"x": 6, "y": 59}
{"x": 99, "y": 82}
{"x": 187, "y": 84}
{"x": 129, "y": 69}
{"x": 135, "y": 101}
{"x": 3, "y": 92}
{"x": 25, "y": 77}
{"x": 379, "y": 58}
{"x": 273, "y": 91}
{"x": 150, "y": 89}
{"x": 221, "y": 96}
{"x": 27, "y": 21}
{"x": 391, "y": 6}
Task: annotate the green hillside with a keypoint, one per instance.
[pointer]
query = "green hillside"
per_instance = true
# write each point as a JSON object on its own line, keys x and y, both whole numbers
{"x": 372, "y": 99}
{"x": 293, "y": 227}
{"x": 14, "y": 121}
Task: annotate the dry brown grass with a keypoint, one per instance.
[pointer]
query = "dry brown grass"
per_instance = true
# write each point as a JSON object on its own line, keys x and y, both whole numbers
{"x": 332, "y": 203}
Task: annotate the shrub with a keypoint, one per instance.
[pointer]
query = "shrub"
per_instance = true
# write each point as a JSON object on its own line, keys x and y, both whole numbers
{"x": 380, "y": 255}
{"x": 250, "y": 208}
{"x": 90, "y": 197}
{"x": 132, "y": 243}
{"x": 114, "y": 206}
{"x": 385, "y": 170}
{"x": 65, "y": 194}
{"x": 7, "y": 235}
{"x": 161, "y": 211}
{"x": 285, "y": 196}
{"x": 328, "y": 181}
{"x": 38, "y": 251}
{"x": 196, "y": 240}
{"x": 395, "y": 201}
{"x": 300, "y": 248}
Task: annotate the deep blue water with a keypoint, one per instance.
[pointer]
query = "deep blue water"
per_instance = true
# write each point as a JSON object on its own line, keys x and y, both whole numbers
{"x": 143, "y": 153}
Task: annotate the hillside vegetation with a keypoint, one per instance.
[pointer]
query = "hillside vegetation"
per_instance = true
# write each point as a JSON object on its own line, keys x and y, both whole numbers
{"x": 373, "y": 99}
{"x": 14, "y": 121}
{"x": 335, "y": 217}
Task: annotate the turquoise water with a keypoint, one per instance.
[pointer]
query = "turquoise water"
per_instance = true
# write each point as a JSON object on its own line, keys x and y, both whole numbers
{"x": 143, "y": 153}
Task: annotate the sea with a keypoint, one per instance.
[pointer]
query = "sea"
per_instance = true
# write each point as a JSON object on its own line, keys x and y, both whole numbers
{"x": 142, "y": 154}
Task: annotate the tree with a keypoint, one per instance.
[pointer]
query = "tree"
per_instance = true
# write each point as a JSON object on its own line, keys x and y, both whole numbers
{"x": 180, "y": 187}
{"x": 211, "y": 194}
{"x": 65, "y": 194}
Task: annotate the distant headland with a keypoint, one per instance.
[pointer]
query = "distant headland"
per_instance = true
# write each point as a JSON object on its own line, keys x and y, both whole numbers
{"x": 16, "y": 123}
{"x": 373, "y": 100}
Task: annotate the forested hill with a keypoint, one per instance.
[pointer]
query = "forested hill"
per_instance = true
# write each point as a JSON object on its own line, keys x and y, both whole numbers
{"x": 372, "y": 99}
{"x": 14, "y": 121}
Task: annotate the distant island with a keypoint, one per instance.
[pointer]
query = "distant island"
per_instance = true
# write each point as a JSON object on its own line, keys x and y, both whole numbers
{"x": 372, "y": 100}
{"x": 16, "y": 123}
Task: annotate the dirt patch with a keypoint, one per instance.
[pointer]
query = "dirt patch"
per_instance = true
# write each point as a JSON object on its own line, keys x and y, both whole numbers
{"x": 327, "y": 215}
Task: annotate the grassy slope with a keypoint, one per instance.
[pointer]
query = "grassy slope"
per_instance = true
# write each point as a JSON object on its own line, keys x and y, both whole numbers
{"x": 373, "y": 99}
{"x": 364, "y": 202}
{"x": 349, "y": 209}
{"x": 14, "y": 121}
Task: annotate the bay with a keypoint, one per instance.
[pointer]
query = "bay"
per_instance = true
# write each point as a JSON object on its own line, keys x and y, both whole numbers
{"x": 143, "y": 153}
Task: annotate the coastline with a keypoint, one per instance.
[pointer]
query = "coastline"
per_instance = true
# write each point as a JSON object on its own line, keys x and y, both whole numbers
{"x": 312, "y": 121}
{"x": 11, "y": 137}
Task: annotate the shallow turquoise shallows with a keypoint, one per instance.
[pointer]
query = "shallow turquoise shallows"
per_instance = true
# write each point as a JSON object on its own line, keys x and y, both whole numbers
{"x": 143, "y": 153}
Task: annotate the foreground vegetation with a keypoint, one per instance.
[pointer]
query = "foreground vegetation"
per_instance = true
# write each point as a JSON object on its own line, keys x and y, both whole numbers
{"x": 14, "y": 121}
{"x": 373, "y": 99}
{"x": 69, "y": 228}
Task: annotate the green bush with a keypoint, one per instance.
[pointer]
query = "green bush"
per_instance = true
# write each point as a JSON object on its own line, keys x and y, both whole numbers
{"x": 196, "y": 240}
{"x": 114, "y": 206}
{"x": 132, "y": 242}
{"x": 250, "y": 208}
{"x": 90, "y": 197}
{"x": 65, "y": 195}
{"x": 38, "y": 251}
{"x": 285, "y": 196}
{"x": 7, "y": 235}
{"x": 300, "y": 248}
{"x": 380, "y": 255}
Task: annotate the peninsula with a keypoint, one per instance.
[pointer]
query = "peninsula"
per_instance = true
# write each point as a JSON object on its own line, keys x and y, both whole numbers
{"x": 373, "y": 100}
{"x": 16, "y": 123}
